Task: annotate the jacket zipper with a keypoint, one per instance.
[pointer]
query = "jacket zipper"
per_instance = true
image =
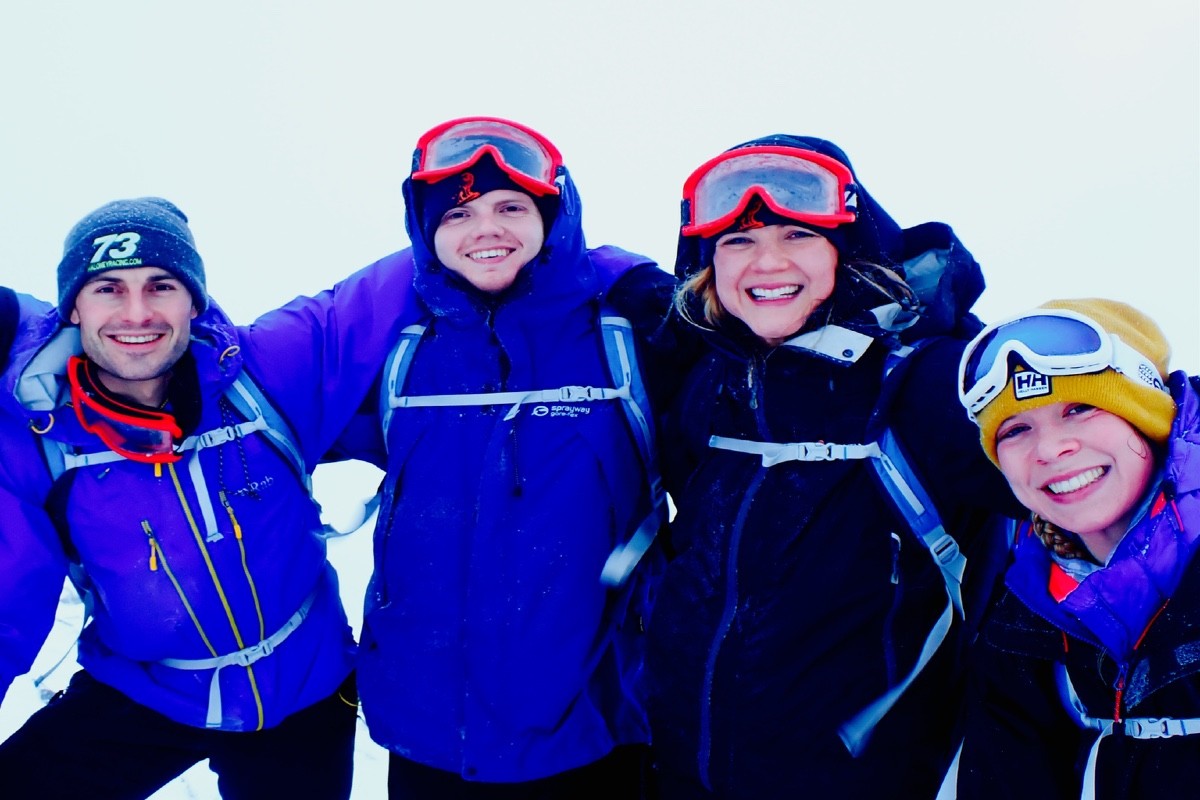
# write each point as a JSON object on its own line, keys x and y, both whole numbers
{"x": 212, "y": 571}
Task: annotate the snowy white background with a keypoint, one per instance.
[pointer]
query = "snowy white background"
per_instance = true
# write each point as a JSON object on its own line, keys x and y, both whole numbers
{"x": 1061, "y": 139}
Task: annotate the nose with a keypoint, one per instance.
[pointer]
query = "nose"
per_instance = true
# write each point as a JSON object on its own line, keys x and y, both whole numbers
{"x": 1054, "y": 442}
{"x": 136, "y": 308}
{"x": 770, "y": 256}
{"x": 488, "y": 224}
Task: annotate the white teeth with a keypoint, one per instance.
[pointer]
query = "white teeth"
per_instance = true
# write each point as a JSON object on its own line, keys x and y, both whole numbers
{"x": 774, "y": 294}
{"x": 1078, "y": 482}
{"x": 149, "y": 337}
{"x": 484, "y": 254}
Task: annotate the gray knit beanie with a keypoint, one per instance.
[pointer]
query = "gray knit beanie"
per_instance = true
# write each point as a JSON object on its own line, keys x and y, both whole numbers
{"x": 123, "y": 234}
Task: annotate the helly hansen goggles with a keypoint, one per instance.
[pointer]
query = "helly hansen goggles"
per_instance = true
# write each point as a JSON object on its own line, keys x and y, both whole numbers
{"x": 793, "y": 182}
{"x": 1050, "y": 341}
{"x": 138, "y": 434}
{"x": 524, "y": 154}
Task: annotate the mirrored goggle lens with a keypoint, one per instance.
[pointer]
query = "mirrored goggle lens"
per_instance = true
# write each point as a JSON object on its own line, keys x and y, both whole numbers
{"x": 515, "y": 150}
{"x": 1047, "y": 336}
{"x": 793, "y": 186}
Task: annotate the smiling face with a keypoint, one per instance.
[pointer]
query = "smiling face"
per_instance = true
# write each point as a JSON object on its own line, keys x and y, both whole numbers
{"x": 772, "y": 278}
{"x": 134, "y": 324}
{"x": 1080, "y": 467}
{"x": 489, "y": 239}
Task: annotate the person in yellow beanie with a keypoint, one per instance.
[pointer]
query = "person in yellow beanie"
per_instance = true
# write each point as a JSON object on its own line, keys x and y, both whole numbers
{"x": 1087, "y": 678}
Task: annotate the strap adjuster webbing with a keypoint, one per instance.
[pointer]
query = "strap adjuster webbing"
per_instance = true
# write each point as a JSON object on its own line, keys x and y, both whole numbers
{"x": 241, "y": 658}
{"x": 780, "y": 452}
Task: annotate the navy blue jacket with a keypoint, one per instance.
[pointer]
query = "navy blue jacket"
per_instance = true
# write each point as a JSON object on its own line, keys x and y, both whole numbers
{"x": 797, "y": 596}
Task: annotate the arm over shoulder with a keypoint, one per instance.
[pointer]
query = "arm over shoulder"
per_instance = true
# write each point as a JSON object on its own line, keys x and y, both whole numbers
{"x": 317, "y": 358}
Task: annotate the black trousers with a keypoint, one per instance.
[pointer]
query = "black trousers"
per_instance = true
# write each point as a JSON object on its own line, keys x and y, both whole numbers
{"x": 93, "y": 742}
{"x": 621, "y": 775}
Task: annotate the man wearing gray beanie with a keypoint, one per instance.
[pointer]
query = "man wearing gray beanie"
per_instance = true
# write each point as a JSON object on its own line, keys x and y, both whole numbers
{"x": 168, "y": 473}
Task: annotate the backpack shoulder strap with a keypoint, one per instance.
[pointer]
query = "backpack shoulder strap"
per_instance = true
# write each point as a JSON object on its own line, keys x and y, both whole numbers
{"x": 899, "y": 479}
{"x": 914, "y": 504}
{"x": 621, "y": 355}
{"x": 395, "y": 372}
{"x": 246, "y": 396}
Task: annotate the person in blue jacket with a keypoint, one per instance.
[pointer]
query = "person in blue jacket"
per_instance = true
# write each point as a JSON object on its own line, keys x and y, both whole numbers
{"x": 157, "y": 452}
{"x": 495, "y": 663}
{"x": 1086, "y": 682}
{"x": 801, "y": 642}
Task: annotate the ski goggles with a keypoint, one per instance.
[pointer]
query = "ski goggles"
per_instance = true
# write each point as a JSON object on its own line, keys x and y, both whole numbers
{"x": 136, "y": 433}
{"x": 1050, "y": 341}
{"x": 524, "y": 154}
{"x": 793, "y": 182}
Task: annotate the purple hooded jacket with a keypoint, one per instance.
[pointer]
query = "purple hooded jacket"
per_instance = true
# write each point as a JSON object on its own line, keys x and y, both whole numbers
{"x": 211, "y": 554}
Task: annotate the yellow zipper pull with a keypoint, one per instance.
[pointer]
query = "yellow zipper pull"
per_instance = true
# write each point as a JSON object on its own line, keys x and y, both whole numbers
{"x": 153, "y": 547}
{"x": 237, "y": 528}
{"x": 157, "y": 469}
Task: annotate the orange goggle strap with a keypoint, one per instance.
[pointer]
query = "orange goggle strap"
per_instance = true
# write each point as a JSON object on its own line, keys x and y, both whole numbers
{"x": 139, "y": 434}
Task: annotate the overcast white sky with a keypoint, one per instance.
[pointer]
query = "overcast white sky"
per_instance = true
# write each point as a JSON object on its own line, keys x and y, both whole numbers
{"x": 1060, "y": 138}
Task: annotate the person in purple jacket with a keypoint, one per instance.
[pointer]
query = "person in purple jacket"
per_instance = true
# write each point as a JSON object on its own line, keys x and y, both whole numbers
{"x": 497, "y": 659}
{"x": 1087, "y": 679}
{"x": 158, "y": 453}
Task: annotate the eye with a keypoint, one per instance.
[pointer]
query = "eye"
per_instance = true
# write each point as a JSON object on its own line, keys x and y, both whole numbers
{"x": 1077, "y": 409}
{"x": 802, "y": 233}
{"x": 734, "y": 240}
{"x": 454, "y": 215}
{"x": 513, "y": 208}
{"x": 1011, "y": 431}
{"x": 164, "y": 286}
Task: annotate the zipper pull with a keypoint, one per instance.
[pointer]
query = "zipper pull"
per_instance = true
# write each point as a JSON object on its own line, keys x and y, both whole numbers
{"x": 1120, "y": 696}
{"x": 237, "y": 528}
{"x": 157, "y": 469}
{"x": 153, "y": 546}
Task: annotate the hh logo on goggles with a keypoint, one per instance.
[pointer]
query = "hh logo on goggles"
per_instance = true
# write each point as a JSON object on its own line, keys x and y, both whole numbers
{"x": 1030, "y": 384}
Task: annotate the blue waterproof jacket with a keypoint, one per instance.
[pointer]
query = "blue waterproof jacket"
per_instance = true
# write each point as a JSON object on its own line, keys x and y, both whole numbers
{"x": 490, "y": 647}
{"x": 213, "y": 553}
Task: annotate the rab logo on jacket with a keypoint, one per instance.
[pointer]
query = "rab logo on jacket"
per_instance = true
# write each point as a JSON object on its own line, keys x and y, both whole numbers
{"x": 254, "y": 489}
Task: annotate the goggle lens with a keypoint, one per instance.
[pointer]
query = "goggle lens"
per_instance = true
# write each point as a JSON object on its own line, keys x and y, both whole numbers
{"x": 795, "y": 183}
{"x": 530, "y": 159}
{"x": 1042, "y": 335}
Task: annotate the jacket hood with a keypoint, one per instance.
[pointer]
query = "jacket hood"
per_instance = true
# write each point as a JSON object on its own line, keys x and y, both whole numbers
{"x": 35, "y": 383}
{"x": 561, "y": 268}
{"x": 874, "y": 236}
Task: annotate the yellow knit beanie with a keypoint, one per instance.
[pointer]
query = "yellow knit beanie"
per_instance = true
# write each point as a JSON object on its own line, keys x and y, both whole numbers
{"x": 1150, "y": 410}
